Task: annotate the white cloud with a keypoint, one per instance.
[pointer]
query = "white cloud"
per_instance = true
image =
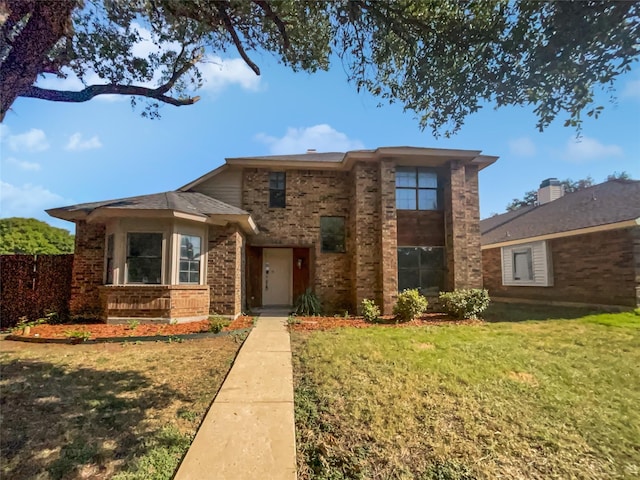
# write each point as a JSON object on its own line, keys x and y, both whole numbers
{"x": 76, "y": 143}
{"x": 522, "y": 147}
{"x": 34, "y": 140}
{"x": 632, "y": 90}
{"x": 322, "y": 138}
{"x": 585, "y": 149}
{"x": 218, "y": 73}
{"x": 27, "y": 201}
{"x": 31, "y": 166}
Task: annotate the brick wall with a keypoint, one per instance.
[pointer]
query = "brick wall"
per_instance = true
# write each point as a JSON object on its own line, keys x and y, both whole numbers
{"x": 462, "y": 228}
{"x": 88, "y": 270}
{"x": 309, "y": 195}
{"x": 595, "y": 268}
{"x": 389, "y": 236}
{"x": 225, "y": 270}
{"x": 168, "y": 302}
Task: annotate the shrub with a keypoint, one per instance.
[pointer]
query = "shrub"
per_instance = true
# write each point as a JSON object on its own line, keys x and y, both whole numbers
{"x": 410, "y": 304}
{"x": 308, "y": 304}
{"x": 370, "y": 311}
{"x": 217, "y": 323}
{"x": 465, "y": 303}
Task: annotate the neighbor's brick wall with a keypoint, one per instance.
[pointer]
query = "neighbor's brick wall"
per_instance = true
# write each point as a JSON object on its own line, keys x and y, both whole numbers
{"x": 309, "y": 195}
{"x": 596, "y": 268}
{"x": 155, "y": 301}
{"x": 88, "y": 270}
{"x": 225, "y": 267}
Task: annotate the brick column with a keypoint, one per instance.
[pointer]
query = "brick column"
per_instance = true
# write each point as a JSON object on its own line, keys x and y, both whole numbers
{"x": 365, "y": 235}
{"x": 388, "y": 236}
{"x": 462, "y": 217}
{"x": 88, "y": 270}
{"x": 225, "y": 270}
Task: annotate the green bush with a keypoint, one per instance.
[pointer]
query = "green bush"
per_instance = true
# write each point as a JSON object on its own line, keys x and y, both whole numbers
{"x": 409, "y": 305}
{"x": 308, "y": 304}
{"x": 217, "y": 323}
{"x": 465, "y": 303}
{"x": 370, "y": 311}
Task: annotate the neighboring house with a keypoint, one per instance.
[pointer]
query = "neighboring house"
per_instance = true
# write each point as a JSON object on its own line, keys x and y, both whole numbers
{"x": 583, "y": 247}
{"x": 258, "y": 231}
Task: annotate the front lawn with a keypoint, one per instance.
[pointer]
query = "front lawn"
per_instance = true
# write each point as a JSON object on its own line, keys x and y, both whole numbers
{"x": 543, "y": 399}
{"x": 119, "y": 411}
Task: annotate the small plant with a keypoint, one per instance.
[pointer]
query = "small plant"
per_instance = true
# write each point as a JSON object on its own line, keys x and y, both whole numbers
{"x": 308, "y": 303}
{"x": 370, "y": 311}
{"x": 217, "y": 323}
{"x": 293, "y": 320}
{"x": 133, "y": 324}
{"x": 409, "y": 305}
{"x": 79, "y": 335}
{"x": 465, "y": 303}
{"x": 448, "y": 470}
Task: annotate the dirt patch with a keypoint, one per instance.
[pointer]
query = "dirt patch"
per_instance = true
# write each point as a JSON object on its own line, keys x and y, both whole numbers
{"x": 523, "y": 377}
{"x": 326, "y": 323}
{"x": 102, "y": 330}
{"x": 425, "y": 346}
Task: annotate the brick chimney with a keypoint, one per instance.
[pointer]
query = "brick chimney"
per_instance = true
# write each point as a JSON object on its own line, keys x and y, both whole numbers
{"x": 550, "y": 189}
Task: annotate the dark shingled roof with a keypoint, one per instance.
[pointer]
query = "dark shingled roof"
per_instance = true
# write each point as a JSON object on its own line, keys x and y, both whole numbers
{"x": 186, "y": 202}
{"x": 609, "y": 202}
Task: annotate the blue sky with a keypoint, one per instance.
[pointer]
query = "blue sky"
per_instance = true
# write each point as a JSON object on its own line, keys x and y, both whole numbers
{"x": 55, "y": 154}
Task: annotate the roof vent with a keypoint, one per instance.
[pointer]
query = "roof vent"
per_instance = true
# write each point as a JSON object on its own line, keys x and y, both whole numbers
{"x": 550, "y": 189}
{"x": 311, "y": 150}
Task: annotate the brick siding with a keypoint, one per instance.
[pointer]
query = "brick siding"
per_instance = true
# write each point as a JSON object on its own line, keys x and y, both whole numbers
{"x": 88, "y": 270}
{"x": 593, "y": 268}
{"x": 225, "y": 270}
{"x": 167, "y": 302}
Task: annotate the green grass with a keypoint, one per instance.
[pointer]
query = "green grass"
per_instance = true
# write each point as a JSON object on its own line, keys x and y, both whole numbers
{"x": 550, "y": 399}
{"x": 122, "y": 411}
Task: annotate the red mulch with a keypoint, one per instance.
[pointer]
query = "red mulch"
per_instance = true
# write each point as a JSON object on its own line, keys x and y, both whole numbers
{"x": 102, "y": 330}
{"x": 326, "y": 323}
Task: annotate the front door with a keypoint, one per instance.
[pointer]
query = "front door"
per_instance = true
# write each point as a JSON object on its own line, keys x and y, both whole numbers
{"x": 276, "y": 276}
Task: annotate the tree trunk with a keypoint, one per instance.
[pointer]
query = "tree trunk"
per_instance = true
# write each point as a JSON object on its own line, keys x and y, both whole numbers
{"x": 50, "y": 21}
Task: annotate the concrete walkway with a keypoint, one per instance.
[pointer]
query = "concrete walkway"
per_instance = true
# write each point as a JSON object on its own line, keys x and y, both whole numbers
{"x": 248, "y": 433}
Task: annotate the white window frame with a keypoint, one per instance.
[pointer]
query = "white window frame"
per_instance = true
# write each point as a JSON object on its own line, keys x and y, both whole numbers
{"x": 540, "y": 264}
{"x": 163, "y": 255}
{"x": 200, "y": 258}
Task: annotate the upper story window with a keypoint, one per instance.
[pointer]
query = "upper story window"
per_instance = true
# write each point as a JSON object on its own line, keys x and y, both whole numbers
{"x": 277, "y": 189}
{"x": 416, "y": 189}
{"x": 144, "y": 258}
{"x": 332, "y": 235}
{"x": 189, "y": 259}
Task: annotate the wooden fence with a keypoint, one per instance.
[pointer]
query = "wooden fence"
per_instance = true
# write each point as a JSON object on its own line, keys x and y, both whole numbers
{"x": 33, "y": 285}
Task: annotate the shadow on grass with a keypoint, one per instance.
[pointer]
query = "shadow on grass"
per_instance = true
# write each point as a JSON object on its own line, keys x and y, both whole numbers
{"x": 519, "y": 312}
{"x": 73, "y": 422}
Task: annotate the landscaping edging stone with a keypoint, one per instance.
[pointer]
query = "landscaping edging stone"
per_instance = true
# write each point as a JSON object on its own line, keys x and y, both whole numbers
{"x": 146, "y": 338}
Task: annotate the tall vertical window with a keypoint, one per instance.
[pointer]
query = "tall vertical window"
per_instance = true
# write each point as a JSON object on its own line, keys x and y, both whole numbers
{"x": 277, "y": 189}
{"x": 109, "y": 260}
{"x": 189, "y": 259}
{"x": 144, "y": 258}
{"x": 332, "y": 235}
{"x": 416, "y": 189}
{"x": 522, "y": 265}
{"x": 421, "y": 268}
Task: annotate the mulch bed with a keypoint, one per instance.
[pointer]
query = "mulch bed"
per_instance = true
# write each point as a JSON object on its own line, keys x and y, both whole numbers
{"x": 102, "y": 330}
{"x": 326, "y": 323}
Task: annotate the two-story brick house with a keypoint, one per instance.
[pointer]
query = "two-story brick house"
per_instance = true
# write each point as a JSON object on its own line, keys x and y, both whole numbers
{"x": 257, "y": 231}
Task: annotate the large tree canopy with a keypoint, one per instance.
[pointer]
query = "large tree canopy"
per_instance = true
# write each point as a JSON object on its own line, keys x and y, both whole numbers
{"x": 31, "y": 236}
{"x": 442, "y": 59}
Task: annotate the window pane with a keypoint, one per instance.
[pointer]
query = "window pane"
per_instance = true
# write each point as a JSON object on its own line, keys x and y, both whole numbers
{"x": 277, "y": 199}
{"x": 144, "y": 270}
{"x": 427, "y": 179}
{"x": 522, "y": 265}
{"x": 184, "y": 277}
{"x": 432, "y": 257}
{"x": 405, "y": 199}
{"x": 332, "y": 234}
{"x": 277, "y": 182}
{"x": 144, "y": 245}
{"x": 427, "y": 199}
{"x": 408, "y": 258}
{"x": 408, "y": 278}
{"x": 189, "y": 247}
{"x": 405, "y": 177}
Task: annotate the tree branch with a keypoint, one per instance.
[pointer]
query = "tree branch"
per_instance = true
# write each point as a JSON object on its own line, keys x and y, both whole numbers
{"x": 228, "y": 25}
{"x": 95, "y": 90}
{"x": 266, "y": 8}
